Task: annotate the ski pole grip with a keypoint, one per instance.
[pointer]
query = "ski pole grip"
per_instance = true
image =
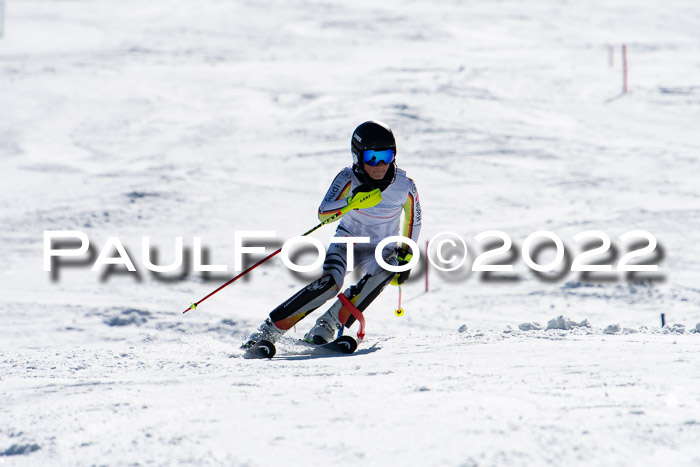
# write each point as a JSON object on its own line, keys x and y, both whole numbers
{"x": 365, "y": 200}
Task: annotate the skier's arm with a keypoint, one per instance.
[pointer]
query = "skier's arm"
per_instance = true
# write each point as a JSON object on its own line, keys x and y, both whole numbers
{"x": 336, "y": 197}
{"x": 362, "y": 197}
{"x": 411, "y": 215}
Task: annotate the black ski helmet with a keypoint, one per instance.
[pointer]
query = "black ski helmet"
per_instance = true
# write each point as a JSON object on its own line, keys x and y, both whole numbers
{"x": 370, "y": 135}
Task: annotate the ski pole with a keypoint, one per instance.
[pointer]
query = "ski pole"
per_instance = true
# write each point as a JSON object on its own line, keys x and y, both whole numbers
{"x": 370, "y": 199}
{"x": 399, "y": 310}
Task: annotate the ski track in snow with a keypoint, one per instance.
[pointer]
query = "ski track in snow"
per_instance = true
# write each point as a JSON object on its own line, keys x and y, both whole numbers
{"x": 473, "y": 397}
{"x": 165, "y": 119}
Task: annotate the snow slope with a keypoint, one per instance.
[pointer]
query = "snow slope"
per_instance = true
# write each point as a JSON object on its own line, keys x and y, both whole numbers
{"x": 167, "y": 119}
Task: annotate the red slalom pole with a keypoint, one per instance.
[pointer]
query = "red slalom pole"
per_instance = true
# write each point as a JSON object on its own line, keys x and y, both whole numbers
{"x": 427, "y": 263}
{"x": 624, "y": 68}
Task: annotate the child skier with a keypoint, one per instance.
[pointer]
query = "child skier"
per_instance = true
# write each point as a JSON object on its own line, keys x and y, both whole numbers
{"x": 374, "y": 167}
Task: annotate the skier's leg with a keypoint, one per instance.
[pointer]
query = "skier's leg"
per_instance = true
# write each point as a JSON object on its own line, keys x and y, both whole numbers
{"x": 295, "y": 308}
{"x": 361, "y": 294}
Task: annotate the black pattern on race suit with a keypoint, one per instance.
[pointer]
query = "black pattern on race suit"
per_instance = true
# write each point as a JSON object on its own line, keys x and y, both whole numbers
{"x": 377, "y": 223}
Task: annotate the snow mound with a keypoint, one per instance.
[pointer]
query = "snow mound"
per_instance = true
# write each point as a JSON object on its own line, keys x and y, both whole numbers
{"x": 534, "y": 326}
{"x": 676, "y": 328}
{"x": 612, "y": 329}
{"x": 561, "y": 322}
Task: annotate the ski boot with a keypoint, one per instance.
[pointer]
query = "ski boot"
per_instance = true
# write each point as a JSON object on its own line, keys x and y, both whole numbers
{"x": 267, "y": 331}
{"x": 325, "y": 329}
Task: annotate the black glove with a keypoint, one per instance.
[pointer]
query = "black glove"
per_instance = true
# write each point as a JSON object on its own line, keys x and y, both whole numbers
{"x": 363, "y": 188}
{"x": 403, "y": 257}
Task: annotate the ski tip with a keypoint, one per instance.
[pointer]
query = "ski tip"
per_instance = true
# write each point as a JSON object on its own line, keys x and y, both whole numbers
{"x": 345, "y": 344}
{"x": 262, "y": 349}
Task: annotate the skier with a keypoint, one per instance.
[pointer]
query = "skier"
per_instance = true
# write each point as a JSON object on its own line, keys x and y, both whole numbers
{"x": 374, "y": 167}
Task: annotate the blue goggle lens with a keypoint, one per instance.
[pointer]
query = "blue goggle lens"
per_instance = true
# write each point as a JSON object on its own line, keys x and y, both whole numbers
{"x": 372, "y": 157}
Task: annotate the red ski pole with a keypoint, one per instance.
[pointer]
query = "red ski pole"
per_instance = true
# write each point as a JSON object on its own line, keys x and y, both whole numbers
{"x": 370, "y": 199}
{"x": 194, "y": 305}
{"x": 399, "y": 310}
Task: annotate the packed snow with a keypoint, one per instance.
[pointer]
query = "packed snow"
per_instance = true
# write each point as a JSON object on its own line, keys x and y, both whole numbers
{"x": 167, "y": 119}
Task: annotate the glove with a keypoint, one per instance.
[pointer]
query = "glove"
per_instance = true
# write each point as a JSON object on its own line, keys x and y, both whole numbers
{"x": 364, "y": 196}
{"x": 404, "y": 257}
{"x": 364, "y": 187}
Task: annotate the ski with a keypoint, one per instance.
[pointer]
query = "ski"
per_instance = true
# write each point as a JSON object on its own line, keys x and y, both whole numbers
{"x": 343, "y": 344}
{"x": 266, "y": 349}
{"x": 262, "y": 349}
